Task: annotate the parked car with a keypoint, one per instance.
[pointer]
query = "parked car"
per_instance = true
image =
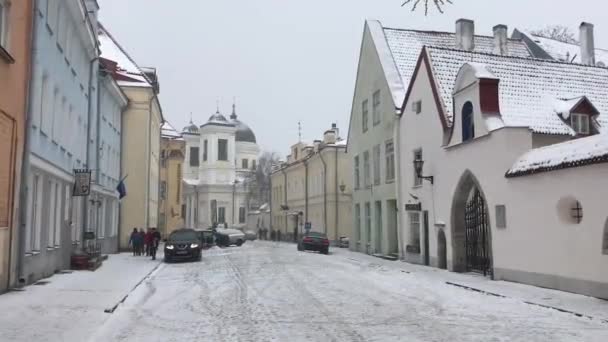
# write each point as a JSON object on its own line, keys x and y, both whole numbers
{"x": 206, "y": 237}
{"x": 344, "y": 242}
{"x": 227, "y": 237}
{"x": 314, "y": 241}
{"x": 183, "y": 244}
{"x": 250, "y": 235}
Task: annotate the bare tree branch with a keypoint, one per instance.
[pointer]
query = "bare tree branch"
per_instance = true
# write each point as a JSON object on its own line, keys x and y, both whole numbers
{"x": 557, "y": 32}
{"x": 439, "y": 4}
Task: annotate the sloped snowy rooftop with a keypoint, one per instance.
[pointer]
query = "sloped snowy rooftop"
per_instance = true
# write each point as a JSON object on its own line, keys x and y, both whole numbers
{"x": 405, "y": 46}
{"x": 528, "y": 88}
{"x": 578, "y": 152}
{"x": 168, "y": 131}
{"x": 128, "y": 71}
{"x": 567, "y": 52}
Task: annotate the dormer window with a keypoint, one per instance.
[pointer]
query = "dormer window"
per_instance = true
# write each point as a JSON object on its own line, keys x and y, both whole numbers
{"x": 468, "y": 122}
{"x": 580, "y": 123}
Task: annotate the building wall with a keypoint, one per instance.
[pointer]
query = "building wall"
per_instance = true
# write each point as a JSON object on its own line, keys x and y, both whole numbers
{"x": 370, "y": 78}
{"x": 537, "y": 245}
{"x": 14, "y": 81}
{"x": 140, "y": 163}
{"x": 171, "y": 191}
{"x": 64, "y": 44}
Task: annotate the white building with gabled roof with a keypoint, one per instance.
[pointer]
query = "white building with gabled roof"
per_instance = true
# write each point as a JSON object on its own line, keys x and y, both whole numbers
{"x": 387, "y": 61}
{"x": 503, "y": 162}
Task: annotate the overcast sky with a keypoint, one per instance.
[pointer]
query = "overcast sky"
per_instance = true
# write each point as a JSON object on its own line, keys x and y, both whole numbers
{"x": 291, "y": 60}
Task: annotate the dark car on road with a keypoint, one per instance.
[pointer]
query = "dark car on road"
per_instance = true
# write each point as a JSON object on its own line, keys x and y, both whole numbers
{"x": 183, "y": 244}
{"x": 314, "y": 241}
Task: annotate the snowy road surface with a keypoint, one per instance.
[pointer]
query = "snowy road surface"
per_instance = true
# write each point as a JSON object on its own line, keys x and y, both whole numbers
{"x": 270, "y": 292}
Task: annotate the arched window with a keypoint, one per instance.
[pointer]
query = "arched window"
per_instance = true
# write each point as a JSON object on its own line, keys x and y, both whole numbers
{"x": 605, "y": 240}
{"x": 468, "y": 123}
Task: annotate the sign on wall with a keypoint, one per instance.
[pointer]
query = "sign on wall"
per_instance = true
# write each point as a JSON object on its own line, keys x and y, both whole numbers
{"x": 82, "y": 183}
{"x": 413, "y": 207}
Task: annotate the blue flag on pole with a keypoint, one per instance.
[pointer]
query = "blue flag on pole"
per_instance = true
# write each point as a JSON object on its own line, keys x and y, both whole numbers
{"x": 122, "y": 190}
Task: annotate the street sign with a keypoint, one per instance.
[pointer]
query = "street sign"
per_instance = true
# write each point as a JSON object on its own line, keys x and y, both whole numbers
{"x": 308, "y": 226}
{"x": 413, "y": 207}
{"x": 82, "y": 183}
{"x": 89, "y": 235}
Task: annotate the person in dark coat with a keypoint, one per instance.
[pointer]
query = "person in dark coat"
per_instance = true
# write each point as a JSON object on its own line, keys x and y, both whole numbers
{"x": 155, "y": 241}
{"x": 148, "y": 241}
{"x": 133, "y": 241}
{"x": 140, "y": 241}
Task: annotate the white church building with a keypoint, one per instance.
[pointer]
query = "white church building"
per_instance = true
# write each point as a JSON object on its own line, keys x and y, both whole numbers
{"x": 221, "y": 155}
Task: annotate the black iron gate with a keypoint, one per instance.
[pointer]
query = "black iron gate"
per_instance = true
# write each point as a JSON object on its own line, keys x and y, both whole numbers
{"x": 477, "y": 235}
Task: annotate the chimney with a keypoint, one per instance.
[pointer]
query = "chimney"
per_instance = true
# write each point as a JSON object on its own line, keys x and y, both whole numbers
{"x": 500, "y": 40}
{"x": 334, "y": 127}
{"x": 587, "y": 44}
{"x": 465, "y": 34}
{"x": 330, "y": 137}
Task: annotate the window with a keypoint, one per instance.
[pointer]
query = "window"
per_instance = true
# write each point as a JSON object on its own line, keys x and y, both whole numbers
{"x": 55, "y": 126}
{"x": 34, "y": 219}
{"x": 242, "y": 215}
{"x": 46, "y": 103}
{"x": 179, "y": 183}
{"x": 501, "y": 216}
{"x": 417, "y": 156}
{"x": 376, "y": 107}
{"x": 390, "y": 160}
{"x": 163, "y": 158}
{"x": 52, "y": 210}
{"x": 254, "y": 164}
{"x": 364, "y": 116}
{"x": 194, "y": 156}
{"x": 576, "y": 211}
{"x": 417, "y": 107}
{"x": 245, "y": 163}
{"x": 222, "y": 149}
{"x": 221, "y": 213}
{"x": 357, "y": 223}
{"x": 368, "y": 222}
{"x": 414, "y": 228}
{"x": 366, "y": 170}
{"x": 214, "y": 211}
{"x": 357, "y": 180}
{"x": 4, "y": 24}
{"x": 101, "y": 228}
{"x": 605, "y": 239}
{"x": 468, "y": 122}
{"x": 205, "y": 147}
{"x": 377, "y": 161}
{"x": 163, "y": 190}
{"x": 580, "y": 123}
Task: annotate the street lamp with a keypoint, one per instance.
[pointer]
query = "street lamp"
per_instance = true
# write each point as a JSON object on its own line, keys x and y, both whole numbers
{"x": 342, "y": 188}
{"x": 418, "y": 164}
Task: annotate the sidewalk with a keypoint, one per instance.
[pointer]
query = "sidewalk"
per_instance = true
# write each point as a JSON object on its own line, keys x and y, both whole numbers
{"x": 69, "y": 307}
{"x": 591, "y": 307}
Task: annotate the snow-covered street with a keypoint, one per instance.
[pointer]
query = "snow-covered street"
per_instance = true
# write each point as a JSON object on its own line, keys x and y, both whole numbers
{"x": 270, "y": 292}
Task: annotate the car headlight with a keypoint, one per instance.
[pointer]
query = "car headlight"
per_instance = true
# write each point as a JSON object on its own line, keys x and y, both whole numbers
{"x": 169, "y": 247}
{"x": 194, "y": 245}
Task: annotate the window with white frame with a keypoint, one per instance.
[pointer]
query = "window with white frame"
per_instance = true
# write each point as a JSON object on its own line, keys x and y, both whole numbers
{"x": 34, "y": 219}
{"x": 357, "y": 223}
{"x": 52, "y": 211}
{"x": 222, "y": 149}
{"x": 368, "y": 222}
{"x": 414, "y": 217}
{"x": 366, "y": 170}
{"x": 4, "y": 23}
{"x": 101, "y": 228}
{"x": 580, "y": 123}
{"x": 377, "y": 162}
{"x": 357, "y": 176}
{"x": 46, "y": 105}
{"x": 364, "y": 116}
{"x": 390, "y": 160}
{"x": 417, "y": 156}
{"x": 58, "y": 214}
{"x": 376, "y": 107}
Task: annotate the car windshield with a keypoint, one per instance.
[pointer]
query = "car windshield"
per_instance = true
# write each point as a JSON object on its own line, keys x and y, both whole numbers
{"x": 183, "y": 235}
{"x": 317, "y": 235}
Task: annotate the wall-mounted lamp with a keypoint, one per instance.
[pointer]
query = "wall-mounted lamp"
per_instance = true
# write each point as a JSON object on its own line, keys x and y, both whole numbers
{"x": 418, "y": 165}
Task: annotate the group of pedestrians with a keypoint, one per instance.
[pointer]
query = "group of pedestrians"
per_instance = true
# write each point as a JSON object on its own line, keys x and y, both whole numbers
{"x": 145, "y": 242}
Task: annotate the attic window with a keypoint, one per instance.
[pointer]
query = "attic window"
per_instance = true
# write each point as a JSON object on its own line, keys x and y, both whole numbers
{"x": 468, "y": 123}
{"x": 417, "y": 107}
{"x": 580, "y": 123}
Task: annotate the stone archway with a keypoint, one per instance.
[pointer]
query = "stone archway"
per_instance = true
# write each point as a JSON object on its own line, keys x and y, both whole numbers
{"x": 442, "y": 252}
{"x": 470, "y": 233}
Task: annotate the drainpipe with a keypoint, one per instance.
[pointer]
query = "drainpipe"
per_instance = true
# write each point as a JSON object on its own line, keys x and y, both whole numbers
{"x": 324, "y": 190}
{"x": 305, "y": 191}
{"x": 88, "y": 154}
{"x": 148, "y": 160}
{"x": 25, "y": 166}
{"x": 337, "y": 196}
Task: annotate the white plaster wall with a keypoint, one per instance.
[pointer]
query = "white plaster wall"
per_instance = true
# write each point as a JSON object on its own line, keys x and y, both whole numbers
{"x": 370, "y": 77}
{"x": 535, "y": 240}
{"x": 191, "y": 172}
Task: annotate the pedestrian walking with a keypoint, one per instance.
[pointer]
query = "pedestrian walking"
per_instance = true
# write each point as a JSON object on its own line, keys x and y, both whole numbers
{"x": 278, "y": 235}
{"x": 140, "y": 241}
{"x": 133, "y": 241}
{"x": 155, "y": 241}
{"x": 148, "y": 241}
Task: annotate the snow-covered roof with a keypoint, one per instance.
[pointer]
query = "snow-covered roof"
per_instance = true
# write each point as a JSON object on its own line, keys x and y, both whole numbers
{"x": 402, "y": 47}
{"x": 128, "y": 73}
{"x": 168, "y": 131}
{"x": 567, "y": 52}
{"x": 578, "y": 152}
{"x": 528, "y": 88}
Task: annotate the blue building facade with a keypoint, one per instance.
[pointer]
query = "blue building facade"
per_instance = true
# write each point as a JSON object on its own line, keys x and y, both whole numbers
{"x": 62, "y": 108}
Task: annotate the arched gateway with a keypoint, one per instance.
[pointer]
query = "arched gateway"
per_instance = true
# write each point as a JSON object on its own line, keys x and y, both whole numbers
{"x": 471, "y": 234}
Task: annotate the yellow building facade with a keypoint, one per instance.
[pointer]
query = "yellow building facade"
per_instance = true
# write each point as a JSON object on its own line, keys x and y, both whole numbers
{"x": 171, "y": 204}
